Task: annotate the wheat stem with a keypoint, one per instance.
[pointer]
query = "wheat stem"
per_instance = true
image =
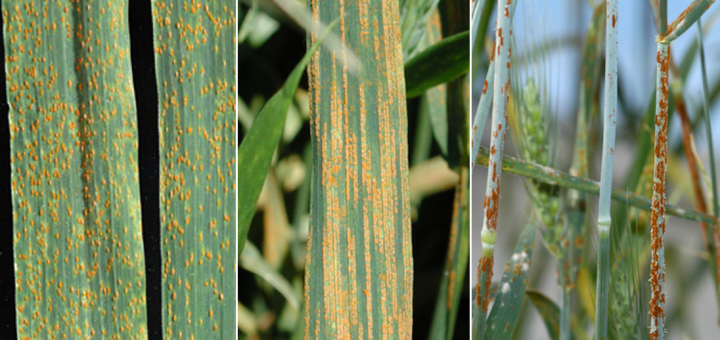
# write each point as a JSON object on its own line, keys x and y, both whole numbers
{"x": 611, "y": 31}
{"x": 483, "y": 108}
{"x": 492, "y": 191}
{"x": 657, "y": 220}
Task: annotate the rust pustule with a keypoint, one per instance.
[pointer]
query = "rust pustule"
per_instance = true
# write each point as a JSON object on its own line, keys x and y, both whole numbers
{"x": 486, "y": 265}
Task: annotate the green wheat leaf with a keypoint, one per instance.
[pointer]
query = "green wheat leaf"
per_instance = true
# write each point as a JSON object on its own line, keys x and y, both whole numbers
{"x": 456, "y": 264}
{"x": 359, "y": 277}
{"x": 195, "y": 64}
{"x": 435, "y": 97}
{"x": 79, "y": 264}
{"x": 256, "y": 151}
{"x": 506, "y": 309}
{"x": 252, "y": 260}
{"x": 686, "y": 19}
{"x": 549, "y": 312}
{"x": 554, "y": 177}
{"x": 423, "y": 72}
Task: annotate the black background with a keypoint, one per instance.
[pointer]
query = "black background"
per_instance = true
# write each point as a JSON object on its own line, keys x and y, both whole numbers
{"x": 143, "y": 68}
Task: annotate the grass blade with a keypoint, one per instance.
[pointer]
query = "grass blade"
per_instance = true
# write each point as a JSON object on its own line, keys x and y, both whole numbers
{"x": 422, "y": 71}
{"x": 554, "y": 177}
{"x": 575, "y": 219}
{"x": 252, "y": 260}
{"x": 686, "y": 19}
{"x": 358, "y": 278}
{"x": 435, "y": 97}
{"x": 549, "y": 312}
{"x": 476, "y": 9}
{"x": 79, "y": 263}
{"x": 506, "y": 309}
{"x": 481, "y": 24}
{"x": 456, "y": 264}
{"x": 196, "y": 90}
{"x": 256, "y": 151}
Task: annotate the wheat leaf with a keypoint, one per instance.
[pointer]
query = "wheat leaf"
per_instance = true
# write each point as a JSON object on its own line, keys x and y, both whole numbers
{"x": 79, "y": 264}
{"x": 257, "y": 148}
{"x": 549, "y": 312}
{"x": 506, "y": 309}
{"x": 422, "y": 72}
{"x": 196, "y": 71}
{"x": 358, "y": 278}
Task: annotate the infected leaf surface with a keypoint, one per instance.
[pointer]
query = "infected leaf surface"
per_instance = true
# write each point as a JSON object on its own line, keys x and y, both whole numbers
{"x": 456, "y": 263}
{"x": 195, "y": 61}
{"x": 506, "y": 309}
{"x": 79, "y": 265}
{"x": 549, "y": 312}
{"x": 358, "y": 281}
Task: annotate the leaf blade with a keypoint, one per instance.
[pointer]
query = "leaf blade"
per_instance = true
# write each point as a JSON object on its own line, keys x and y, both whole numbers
{"x": 549, "y": 312}
{"x": 422, "y": 71}
{"x": 257, "y": 148}
{"x": 359, "y": 265}
{"x": 195, "y": 64}
{"x": 506, "y": 309}
{"x": 79, "y": 263}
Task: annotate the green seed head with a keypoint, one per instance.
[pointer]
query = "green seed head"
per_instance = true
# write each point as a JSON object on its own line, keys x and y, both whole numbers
{"x": 543, "y": 158}
{"x": 554, "y": 206}
{"x": 547, "y": 220}
{"x": 543, "y": 197}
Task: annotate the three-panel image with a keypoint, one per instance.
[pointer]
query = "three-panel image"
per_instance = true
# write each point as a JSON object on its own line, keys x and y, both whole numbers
{"x": 341, "y": 169}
